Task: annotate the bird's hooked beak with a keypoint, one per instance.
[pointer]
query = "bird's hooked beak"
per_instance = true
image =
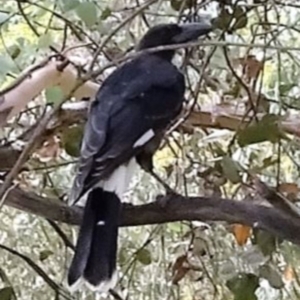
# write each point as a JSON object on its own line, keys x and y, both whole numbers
{"x": 191, "y": 31}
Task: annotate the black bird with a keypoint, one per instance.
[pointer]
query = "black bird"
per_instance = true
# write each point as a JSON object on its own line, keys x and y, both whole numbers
{"x": 126, "y": 122}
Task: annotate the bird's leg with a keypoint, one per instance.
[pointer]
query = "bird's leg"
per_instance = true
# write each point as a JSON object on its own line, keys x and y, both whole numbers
{"x": 145, "y": 160}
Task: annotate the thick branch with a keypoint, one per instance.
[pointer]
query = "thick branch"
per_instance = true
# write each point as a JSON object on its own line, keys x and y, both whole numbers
{"x": 75, "y": 112}
{"x": 52, "y": 71}
{"x": 177, "y": 208}
{"x": 60, "y": 71}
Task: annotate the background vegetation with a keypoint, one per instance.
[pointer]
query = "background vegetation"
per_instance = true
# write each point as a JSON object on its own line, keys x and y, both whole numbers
{"x": 239, "y": 141}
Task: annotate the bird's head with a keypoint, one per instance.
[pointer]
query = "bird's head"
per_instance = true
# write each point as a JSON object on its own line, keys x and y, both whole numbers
{"x": 171, "y": 34}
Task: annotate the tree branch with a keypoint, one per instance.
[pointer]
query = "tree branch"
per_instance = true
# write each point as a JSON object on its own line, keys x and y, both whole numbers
{"x": 54, "y": 70}
{"x": 177, "y": 208}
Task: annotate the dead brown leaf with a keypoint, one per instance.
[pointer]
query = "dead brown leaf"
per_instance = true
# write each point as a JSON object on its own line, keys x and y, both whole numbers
{"x": 179, "y": 269}
{"x": 289, "y": 273}
{"x": 251, "y": 67}
{"x": 50, "y": 149}
{"x": 241, "y": 233}
{"x": 290, "y": 189}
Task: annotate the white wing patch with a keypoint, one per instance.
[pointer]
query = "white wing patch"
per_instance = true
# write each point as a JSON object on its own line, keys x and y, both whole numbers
{"x": 146, "y": 137}
{"x": 119, "y": 180}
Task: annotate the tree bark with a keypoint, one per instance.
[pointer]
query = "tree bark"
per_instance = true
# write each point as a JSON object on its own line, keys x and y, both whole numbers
{"x": 170, "y": 209}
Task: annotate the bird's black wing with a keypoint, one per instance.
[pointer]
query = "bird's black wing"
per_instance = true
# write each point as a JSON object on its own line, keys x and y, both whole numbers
{"x": 141, "y": 96}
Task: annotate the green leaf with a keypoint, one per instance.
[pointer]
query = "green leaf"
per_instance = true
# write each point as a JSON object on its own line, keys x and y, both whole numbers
{"x": 231, "y": 20}
{"x": 241, "y": 18}
{"x": 6, "y": 293}
{"x": 21, "y": 41}
{"x": 272, "y": 276}
{"x": 182, "y": 4}
{"x": 14, "y": 51}
{"x": 269, "y": 161}
{"x": 177, "y": 227}
{"x": 68, "y": 5}
{"x": 223, "y": 20}
{"x": 265, "y": 241}
{"x": 240, "y": 23}
{"x": 291, "y": 253}
{"x": 243, "y": 286}
{"x": 266, "y": 129}
{"x": 285, "y": 88}
{"x": 3, "y": 277}
{"x": 230, "y": 169}
{"x": 144, "y": 256}
{"x": 87, "y": 12}
{"x": 45, "y": 41}
{"x": 6, "y": 64}
{"x": 45, "y": 254}
{"x": 54, "y": 95}
{"x": 71, "y": 140}
{"x": 3, "y": 17}
{"x": 105, "y": 13}
{"x": 122, "y": 256}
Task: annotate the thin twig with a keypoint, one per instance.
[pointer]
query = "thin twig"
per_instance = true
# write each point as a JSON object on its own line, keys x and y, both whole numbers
{"x": 62, "y": 235}
{"x": 38, "y": 270}
{"x": 113, "y": 32}
{"x": 29, "y": 147}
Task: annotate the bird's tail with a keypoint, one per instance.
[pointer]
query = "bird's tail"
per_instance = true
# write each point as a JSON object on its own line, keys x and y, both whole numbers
{"x": 94, "y": 261}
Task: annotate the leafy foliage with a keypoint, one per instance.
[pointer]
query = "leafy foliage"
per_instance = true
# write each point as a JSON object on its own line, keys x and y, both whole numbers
{"x": 245, "y": 79}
